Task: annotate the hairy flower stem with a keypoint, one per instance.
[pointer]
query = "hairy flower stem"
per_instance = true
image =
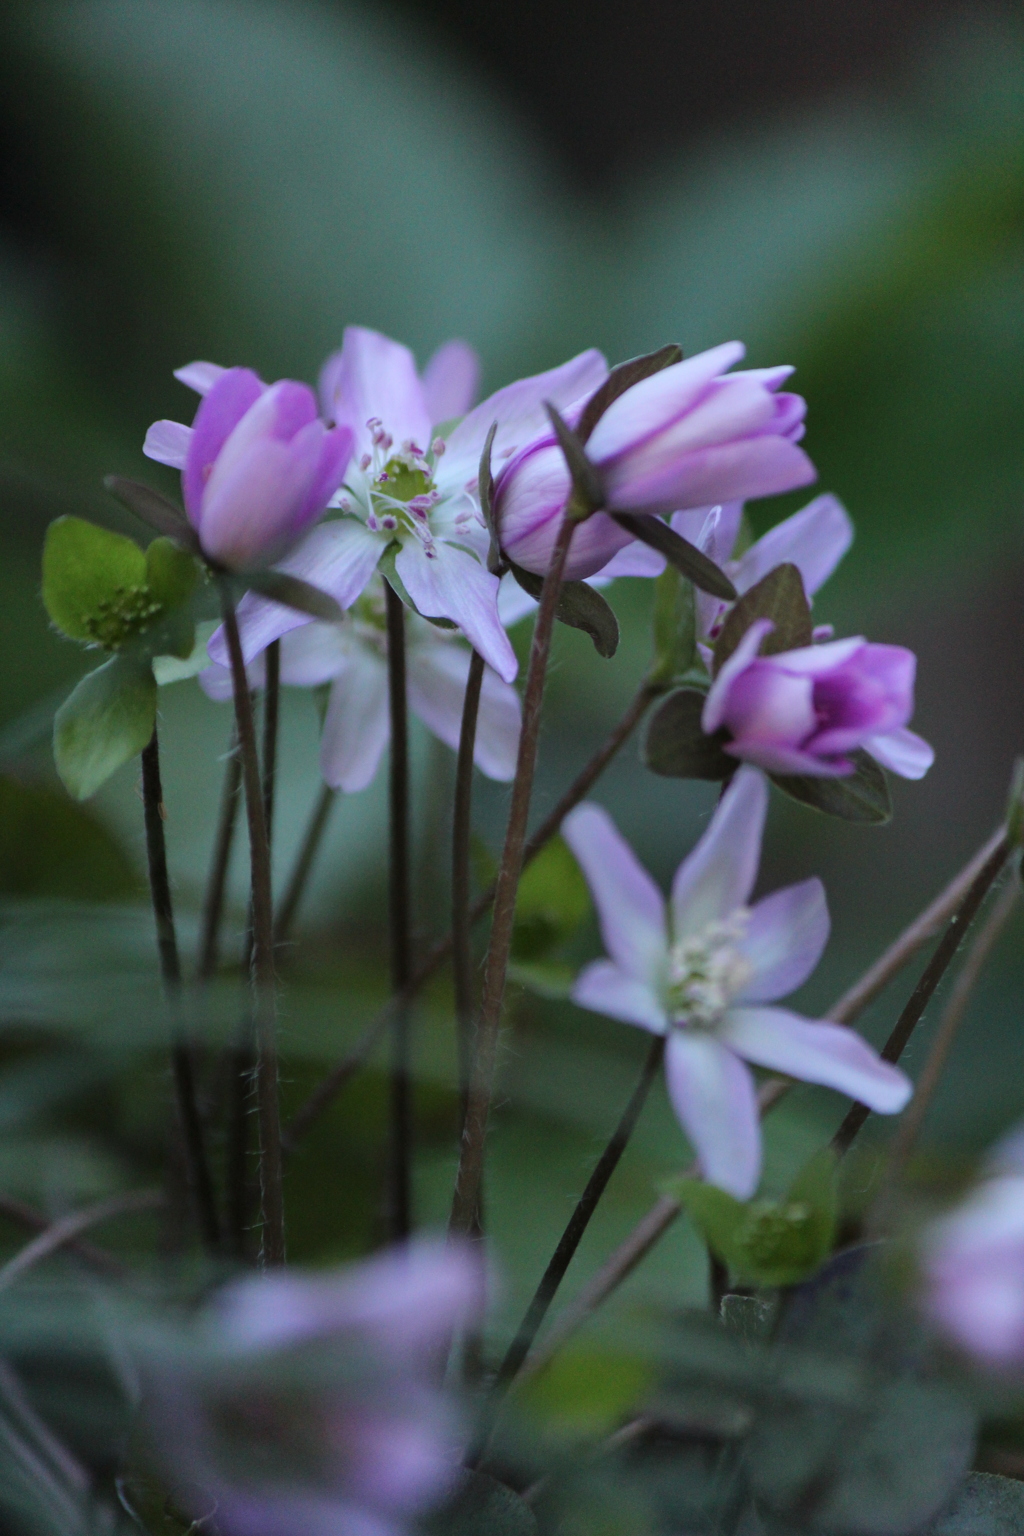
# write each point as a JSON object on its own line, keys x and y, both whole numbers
{"x": 295, "y": 889}
{"x": 399, "y": 908}
{"x": 262, "y": 968}
{"x": 216, "y": 883}
{"x": 197, "y": 1168}
{"x": 471, "y": 1161}
{"x": 462, "y": 927}
{"x": 325, "y": 1093}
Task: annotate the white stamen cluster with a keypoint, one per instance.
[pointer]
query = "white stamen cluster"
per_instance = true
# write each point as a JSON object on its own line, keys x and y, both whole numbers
{"x": 386, "y": 505}
{"x": 706, "y": 971}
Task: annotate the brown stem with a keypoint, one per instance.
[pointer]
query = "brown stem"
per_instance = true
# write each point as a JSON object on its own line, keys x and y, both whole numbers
{"x": 264, "y": 991}
{"x": 400, "y": 1158}
{"x": 197, "y": 1168}
{"x": 471, "y": 1161}
{"x": 462, "y": 928}
{"x": 35, "y": 1221}
{"x": 60, "y": 1233}
{"x": 295, "y": 889}
{"x": 326, "y": 1091}
{"x": 216, "y": 884}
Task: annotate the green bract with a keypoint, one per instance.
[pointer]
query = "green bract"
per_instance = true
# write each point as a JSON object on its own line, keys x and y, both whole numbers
{"x": 104, "y": 722}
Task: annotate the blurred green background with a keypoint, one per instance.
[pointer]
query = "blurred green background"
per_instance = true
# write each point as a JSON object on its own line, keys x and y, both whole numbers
{"x": 203, "y": 178}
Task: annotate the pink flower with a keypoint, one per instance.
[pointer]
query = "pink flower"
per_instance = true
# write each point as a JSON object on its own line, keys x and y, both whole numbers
{"x": 803, "y": 711}
{"x": 973, "y": 1264}
{"x": 701, "y": 970}
{"x": 258, "y": 465}
{"x": 688, "y": 436}
{"x": 310, "y": 1403}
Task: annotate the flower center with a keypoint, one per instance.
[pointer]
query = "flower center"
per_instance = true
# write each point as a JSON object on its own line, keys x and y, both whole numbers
{"x": 706, "y": 971}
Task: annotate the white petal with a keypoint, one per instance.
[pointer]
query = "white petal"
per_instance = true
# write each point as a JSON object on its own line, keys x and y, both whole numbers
{"x": 604, "y": 988}
{"x": 814, "y": 540}
{"x": 783, "y": 944}
{"x": 712, "y": 1092}
{"x": 452, "y": 584}
{"x": 903, "y": 751}
{"x": 357, "y": 727}
{"x": 812, "y": 1052}
{"x": 718, "y": 876}
{"x": 437, "y": 673}
{"x": 630, "y": 906}
{"x": 167, "y": 442}
{"x": 199, "y": 376}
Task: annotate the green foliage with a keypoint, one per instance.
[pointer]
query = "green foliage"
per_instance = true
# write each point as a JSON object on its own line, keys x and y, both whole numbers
{"x": 587, "y": 1391}
{"x": 779, "y": 596}
{"x": 293, "y": 592}
{"x": 675, "y": 628}
{"x": 580, "y": 607}
{"x": 686, "y": 557}
{"x": 51, "y": 847}
{"x": 106, "y": 721}
{"x": 552, "y": 901}
{"x": 986, "y": 1505}
{"x": 676, "y": 746}
{"x": 861, "y": 796}
{"x": 483, "y": 1507}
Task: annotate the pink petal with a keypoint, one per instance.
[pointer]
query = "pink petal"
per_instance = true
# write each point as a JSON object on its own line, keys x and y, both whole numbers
{"x": 823, "y": 1053}
{"x": 813, "y": 660}
{"x": 452, "y": 584}
{"x": 437, "y": 673}
{"x": 776, "y": 757}
{"x": 712, "y": 1093}
{"x": 529, "y": 501}
{"x": 199, "y": 376}
{"x": 375, "y": 377}
{"x": 729, "y": 411}
{"x": 251, "y": 502}
{"x": 814, "y": 540}
{"x": 630, "y": 906}
{"x": 335, "y": 453}
{"x": 357, "y": 727}
{"x": 784, "y": 941}
{"x": 450, "y": 381}
{"x": 736, "y": 471}
{"x": 230, "y": 397}
{"x": 167, "y": 442}
{"x": 655, "y": 402}
{"x": 716, "y": 703}
{"x": 718, "y": 876}
{"x": 604, "y": 988}
{"x": 903, "y": 751}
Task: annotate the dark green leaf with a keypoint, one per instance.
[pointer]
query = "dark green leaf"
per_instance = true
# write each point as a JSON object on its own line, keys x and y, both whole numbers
{"x": 677, "y": 747}
{"x": 779, "y": 596}
{"x": 580, "y": 607}
{"x": 483, "y": 1507}
{"x": 675, "y": 628}
{"x": 154, "y": 509}
{"x": 104, "y": 723}
{"x": 50, "y": 847}
{"x": 95, "y": 583}
{"x": 622, "y": 377}
{"x": 750, "y": 1318}
{"x": 861, "y": 796}
{"x": 551, "y": 903}
{"x": 294, "y": 593}
{"x": 986, "y": 1505}
{"x": 686, "y": 557}
{"x": 587, "y": 488}
{"x": 485, "y": 484}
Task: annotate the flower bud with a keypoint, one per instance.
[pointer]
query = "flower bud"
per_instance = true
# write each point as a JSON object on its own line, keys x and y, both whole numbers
{"x": 529, "y": 498}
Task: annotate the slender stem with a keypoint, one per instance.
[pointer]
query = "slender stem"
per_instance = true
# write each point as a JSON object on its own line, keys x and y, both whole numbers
{"x": 984, "y": 942}
{"x": 326, "y": 1091}
{"x": 462, "y": 928}
{"x": 35, "y": 1221}
{"x": 295, "y": 889}
{"x": 216, "y": 884}
{"x": 60, "y": 1233}
{"x": 579, "y": 1220}
{"x": 471, "y": 1161}
{"x": 197, "y": 1168}
{"x": 923, "y": 993}
{"x": 271, "y": 716}
{"x": 399, "y": 897}
{"x": 264, "y": 995}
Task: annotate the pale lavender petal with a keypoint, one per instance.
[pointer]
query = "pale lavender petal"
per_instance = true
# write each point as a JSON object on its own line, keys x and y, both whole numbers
{"x": 655, "y": 402}
{"x": 513, "y": 603}
{"x": 437, "y": 673}
{"x": 730, "y": 410}
{"x": 718, "y": 876}
{"x": 736, "y": 471}
{"x": 630, "y": 907}
{"x": 218, "y": 415}
{"x": 529, "y": 500}
{"x": 636, "y": 559}
{"x": 903, "y": 751}
{"x": 784, "y": 941}
{"x": 777, "y": 757}
{"x": 451, "y": 380}
{"x": 314, "y": 654}
{"x": 357, "y": 727}
{"x": 519, "y": 411}
{"x": 215, "y": 681}
{"x": 712, "y": 1093}
{"x": 604, "y": 988}
{"x": 167, "y": 442}
{"x": 814, "y": 1052}
{"x": 335, "y": 452}
{"x": 375, "y": 377}
{"x": 199, "y": 376}
{"x": 745, "y": 653}
{"x": 452, "y": 584}
{"x": 769, "y": 709}
{"x": 814, "y": 660}
{"x": 252, "y": 502}
{"x": 814, "y": 540}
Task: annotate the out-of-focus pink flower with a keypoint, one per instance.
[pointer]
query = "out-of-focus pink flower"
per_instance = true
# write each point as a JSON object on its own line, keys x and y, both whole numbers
{"x": 310, "y": 1403}
{"x": 701, "y": 970}
{"x": 686, "y": 437}
{"x": 972, "y": 1263}
{"x": 258, "y": 465}
{"x": 804, "y": 711}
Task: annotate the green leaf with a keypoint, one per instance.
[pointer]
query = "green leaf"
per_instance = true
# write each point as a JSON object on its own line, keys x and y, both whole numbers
{"x": 580, "y": 607}
{"x": 51, "y": 847}
{"x": 861, "y": 796}
{"x": 107, "y": 720}
{"x": 750, "y": 1318}
{"x": 676, "y": 745}
{"x": 986, "y": 1505}
{"x": 295, "y": 593}
{"x": 779, "y": 596}
{"x": 483, "y": 1507}
{"x": 95, "y": 583}
{"x": 176, "y": 669}
{"x": 587, "y": 487}
{"x": 547, "y": 978}
{"x": 552, "y": 901}
{"x": 152, "y": 508}
{"x": 675, "y": 628}
{"x": 588, "y": 1389}
{"x": 686, "y": 557}
{"x": 717, "y": 1215}
{"x": 171, "y": 572}
{"x": 622, "y": 377}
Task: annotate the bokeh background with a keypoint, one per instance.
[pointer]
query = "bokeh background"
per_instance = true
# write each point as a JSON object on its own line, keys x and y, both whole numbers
{"x": 842, "y": 186}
